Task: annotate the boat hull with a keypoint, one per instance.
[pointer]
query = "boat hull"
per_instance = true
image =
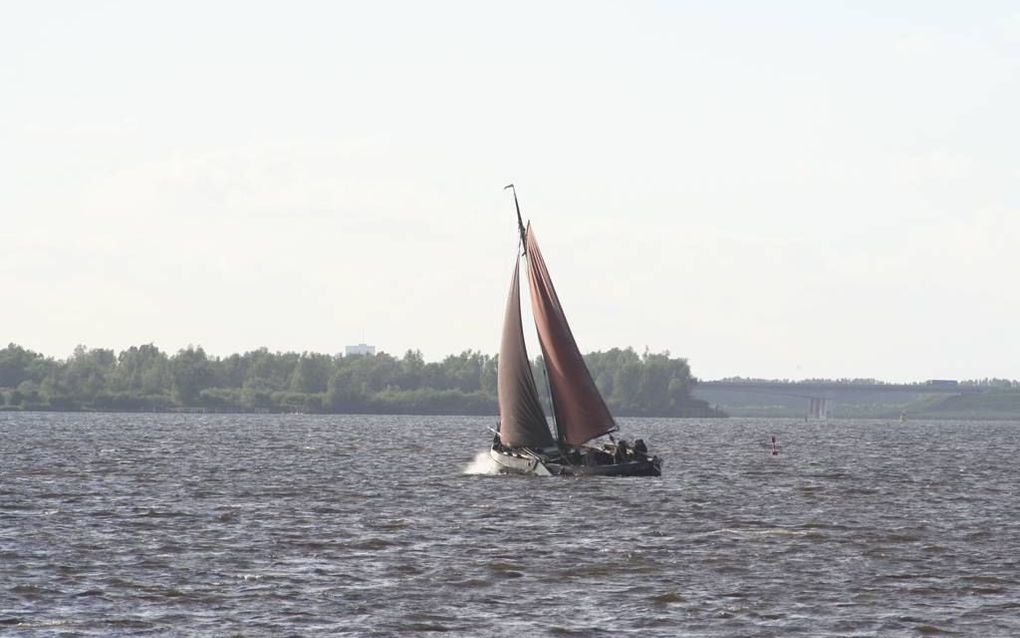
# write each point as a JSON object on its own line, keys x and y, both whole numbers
{"x": 532, "y": 464}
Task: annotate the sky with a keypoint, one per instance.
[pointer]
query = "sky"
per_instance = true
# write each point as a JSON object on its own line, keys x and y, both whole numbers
{"x": 780, "y": 190}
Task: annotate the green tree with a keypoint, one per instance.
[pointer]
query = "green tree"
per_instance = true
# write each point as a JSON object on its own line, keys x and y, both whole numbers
{"x": 412, "y": 367}
{"x": 311, "y": 373}
{"x": 191, "y": 373}
{"x": 18, "y": 364}
{"x": 269, "y": 371}
{"x": 87, "y": 371}
{"x": 143, "y": 370}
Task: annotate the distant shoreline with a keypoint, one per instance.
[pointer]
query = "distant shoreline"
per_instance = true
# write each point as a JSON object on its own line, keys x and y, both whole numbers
{"x": 144, "y": 379}
{"x": 893, "y": 420}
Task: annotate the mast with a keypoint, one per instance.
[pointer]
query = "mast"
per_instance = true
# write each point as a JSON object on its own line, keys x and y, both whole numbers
{"x": 522, "y": 419}
{"x": 520, "y": 223}
{"x": 579, "y": 411}
{"x": 545, "y": 370}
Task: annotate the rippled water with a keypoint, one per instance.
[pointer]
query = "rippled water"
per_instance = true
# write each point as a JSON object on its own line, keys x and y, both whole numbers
{"x": 326, "y": 525}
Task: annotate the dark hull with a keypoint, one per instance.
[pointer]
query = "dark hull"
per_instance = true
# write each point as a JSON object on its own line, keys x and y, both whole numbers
{"x": 537, "y": 464}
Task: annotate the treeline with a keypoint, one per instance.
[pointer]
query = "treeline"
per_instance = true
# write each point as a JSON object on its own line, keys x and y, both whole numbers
{"x": 144, "y": 378}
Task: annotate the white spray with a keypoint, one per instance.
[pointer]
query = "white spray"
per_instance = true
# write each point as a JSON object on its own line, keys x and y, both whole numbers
{"x": 482, "y": 464}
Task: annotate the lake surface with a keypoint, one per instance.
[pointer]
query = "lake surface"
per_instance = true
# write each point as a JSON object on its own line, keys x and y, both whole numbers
{"x": 218, "y": 525}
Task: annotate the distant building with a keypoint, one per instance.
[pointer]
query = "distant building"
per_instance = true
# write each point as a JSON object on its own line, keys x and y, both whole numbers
{"x": 361, "y": 348}
{"x": 941, "y": 383}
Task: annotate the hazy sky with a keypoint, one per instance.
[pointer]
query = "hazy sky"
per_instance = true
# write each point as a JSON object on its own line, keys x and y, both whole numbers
{"x": 787, "y": 189}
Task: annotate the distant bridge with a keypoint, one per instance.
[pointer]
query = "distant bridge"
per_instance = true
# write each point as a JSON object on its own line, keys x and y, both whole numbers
{"x": 820, "y": 396}
{"x": 834, "y": 386}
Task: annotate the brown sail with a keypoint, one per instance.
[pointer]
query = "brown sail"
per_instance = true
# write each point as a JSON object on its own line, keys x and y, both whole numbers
{"x": 522, "y": 421}
{"x": 581, "y": 413}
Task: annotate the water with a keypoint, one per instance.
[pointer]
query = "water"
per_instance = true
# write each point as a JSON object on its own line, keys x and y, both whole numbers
{"x": 369, "y": 526}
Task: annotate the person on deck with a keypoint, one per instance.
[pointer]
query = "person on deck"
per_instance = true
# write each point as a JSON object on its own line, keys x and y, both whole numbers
{"x": 621, "y": 451}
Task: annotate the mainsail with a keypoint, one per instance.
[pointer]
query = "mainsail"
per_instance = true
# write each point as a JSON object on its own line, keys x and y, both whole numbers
{"x": 581, "y": 413}
{"x": 522, "y": 421}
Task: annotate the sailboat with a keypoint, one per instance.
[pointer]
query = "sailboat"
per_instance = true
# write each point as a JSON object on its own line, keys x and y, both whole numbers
{"x": 523, "y": 442}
